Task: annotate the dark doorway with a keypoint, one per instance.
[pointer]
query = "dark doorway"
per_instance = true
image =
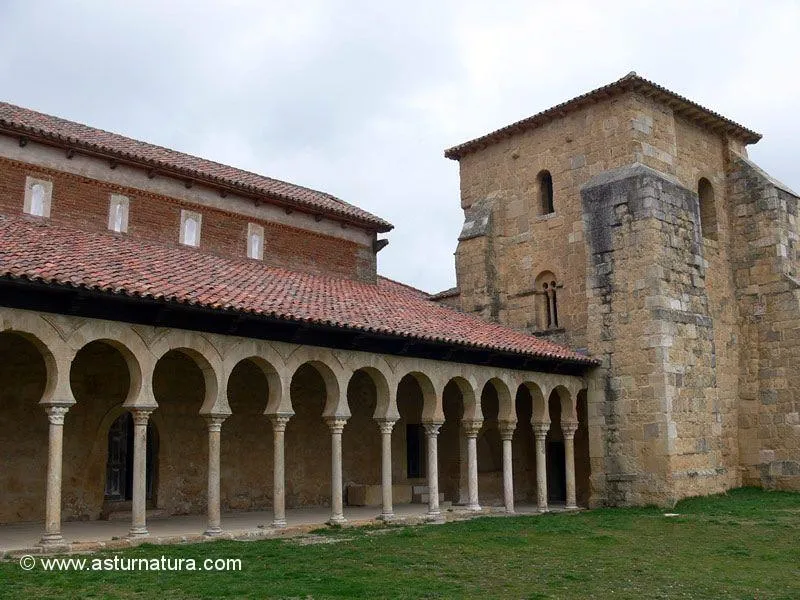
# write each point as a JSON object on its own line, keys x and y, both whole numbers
{"x": 556, "y": 473}
{"x": 415, "y": 451}
{"x": 119, "y": 468}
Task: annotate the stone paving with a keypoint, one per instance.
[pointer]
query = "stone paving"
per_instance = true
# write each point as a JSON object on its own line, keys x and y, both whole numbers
{"x": 88, "y": 536}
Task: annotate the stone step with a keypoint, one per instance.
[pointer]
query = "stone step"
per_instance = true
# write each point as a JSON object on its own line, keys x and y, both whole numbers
{"x": 127, "y": 515}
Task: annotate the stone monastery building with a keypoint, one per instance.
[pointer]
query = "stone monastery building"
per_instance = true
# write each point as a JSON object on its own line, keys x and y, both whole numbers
{"x": 178, "y": 336}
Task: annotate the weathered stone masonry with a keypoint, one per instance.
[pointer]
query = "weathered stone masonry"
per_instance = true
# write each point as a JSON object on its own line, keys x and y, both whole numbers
{"x": 649, "y": 311}
{"x": 692, "y": 303}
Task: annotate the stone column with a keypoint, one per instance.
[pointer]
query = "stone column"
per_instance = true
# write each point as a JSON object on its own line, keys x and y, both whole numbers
{"x": 336, "y": 425}
{"x": 568, "y": 428}
{"x": 432, "y": 433}
{"x": 471, "y": 429}
{"x": 278, "y": 470}
{"x": 540, "y": 432}
{"x": 214, "y": 511}
{"x": 52, "y": 521}
{"x": 139, "y": 497}
{"x": 386, "y": 425}
{"x": 507, "y": 434}
{"x": 551, "y": 299}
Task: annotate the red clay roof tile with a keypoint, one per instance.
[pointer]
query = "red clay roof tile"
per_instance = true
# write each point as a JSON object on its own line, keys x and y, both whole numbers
{"x": 75, "y": 135}
{"x": 35, "y": 250}
{"x": 703, "y": 116}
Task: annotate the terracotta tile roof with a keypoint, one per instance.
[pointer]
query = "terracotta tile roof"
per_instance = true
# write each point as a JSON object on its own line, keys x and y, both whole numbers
{"x": 631, "y": 82}
{"x": 34, "y": 250}
{"x": 54, "y": 130}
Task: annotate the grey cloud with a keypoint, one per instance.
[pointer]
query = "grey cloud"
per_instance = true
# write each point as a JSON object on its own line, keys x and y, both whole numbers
{"x": 360, "y": 98}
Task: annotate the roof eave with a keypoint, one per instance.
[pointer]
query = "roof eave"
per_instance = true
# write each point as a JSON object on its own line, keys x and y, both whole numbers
{"x": 12, "y": 129}
{"x": 30, "y": 283}
{"x": 631, "y": 82}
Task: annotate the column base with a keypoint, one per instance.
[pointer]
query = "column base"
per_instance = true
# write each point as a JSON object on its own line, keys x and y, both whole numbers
{"x": 336, "y": 520}
{"x": 543, "y": 509}
{"x": 571, "y": 507}
{"x": 510, "y": 511}
{"x": 474, "y": 507}
{"x": 213, "y": 531}
{"x": 138, "y": 532}
{"x": 52, "y": 539}
{"x": 279, "y": 523}
{"x": 434, "y": 517}
{"x": 387, "y": 517}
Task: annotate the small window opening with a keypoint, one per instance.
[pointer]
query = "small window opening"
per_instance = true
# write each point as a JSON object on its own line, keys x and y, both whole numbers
{"x": 255, "y": 241}
{"x": 546, "y": 303}
{"x": 37, "y": 200}
{"x": 545, "y": 181}
{"x": 190, "y": 232}
{"x": 190, "y": 228}
{"x": 38, "y": 194}
{"x": 118, "y": 213}
{"x": 708, "y": 209}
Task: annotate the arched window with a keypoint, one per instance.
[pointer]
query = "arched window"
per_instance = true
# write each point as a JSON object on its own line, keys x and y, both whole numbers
{"x": 255, "y": 241}
{"x": 708, "y": 209}
{"x": 545, "y": 183}
{"x": 546, "y": 290}
{"x": 38, "y": 195}
{"x": 190, "y": 228}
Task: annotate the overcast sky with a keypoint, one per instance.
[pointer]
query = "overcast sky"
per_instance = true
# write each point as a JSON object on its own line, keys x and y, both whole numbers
{"x": 360, "y": 99}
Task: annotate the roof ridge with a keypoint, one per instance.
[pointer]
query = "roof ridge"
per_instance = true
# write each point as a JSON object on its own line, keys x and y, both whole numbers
{"x": 618, "y": 86}
{"x": 405, "y": 285}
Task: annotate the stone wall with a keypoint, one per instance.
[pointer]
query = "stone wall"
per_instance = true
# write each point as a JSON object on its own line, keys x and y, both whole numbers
{"x": 765, "y": 239}
{"x": 506, "y": 242}
{"x": 649, "y": 311}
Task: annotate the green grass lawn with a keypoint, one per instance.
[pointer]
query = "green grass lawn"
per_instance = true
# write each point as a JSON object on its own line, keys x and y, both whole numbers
{"x": 745, "y": 544}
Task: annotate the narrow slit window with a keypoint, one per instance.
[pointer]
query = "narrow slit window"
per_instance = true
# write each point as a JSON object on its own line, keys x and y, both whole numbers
{"x": 545, "y": 181}
{"x": 118, "y": 213}
{"x": 708, "y": 209}
{"x": 255, "y": 241}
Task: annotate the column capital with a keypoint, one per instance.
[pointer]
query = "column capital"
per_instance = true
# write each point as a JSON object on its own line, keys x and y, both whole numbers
{"x": 386, "y": 425}
{"x": 56, "y": 413}
{"x": 432, "y": 428}
{"x": 279, "y": 421}
{"x": 336, "y": 424}
{"x": 507, "y": 429}
{"x": 215, "y": 422}
{"x": 141, "y": 415}
{"x": 471, "y": 428}
{"x": 540, "y": 429}
{"x": 568, "y": 428}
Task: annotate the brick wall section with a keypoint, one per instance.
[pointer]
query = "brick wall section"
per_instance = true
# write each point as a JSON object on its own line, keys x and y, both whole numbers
{"x": 766, "y": 267}
{"x": 82, "y": 202}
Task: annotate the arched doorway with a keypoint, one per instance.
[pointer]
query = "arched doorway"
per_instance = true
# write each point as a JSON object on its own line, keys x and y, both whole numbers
{"x": 119, "y": 465}
{"x": 23, "y": 428}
